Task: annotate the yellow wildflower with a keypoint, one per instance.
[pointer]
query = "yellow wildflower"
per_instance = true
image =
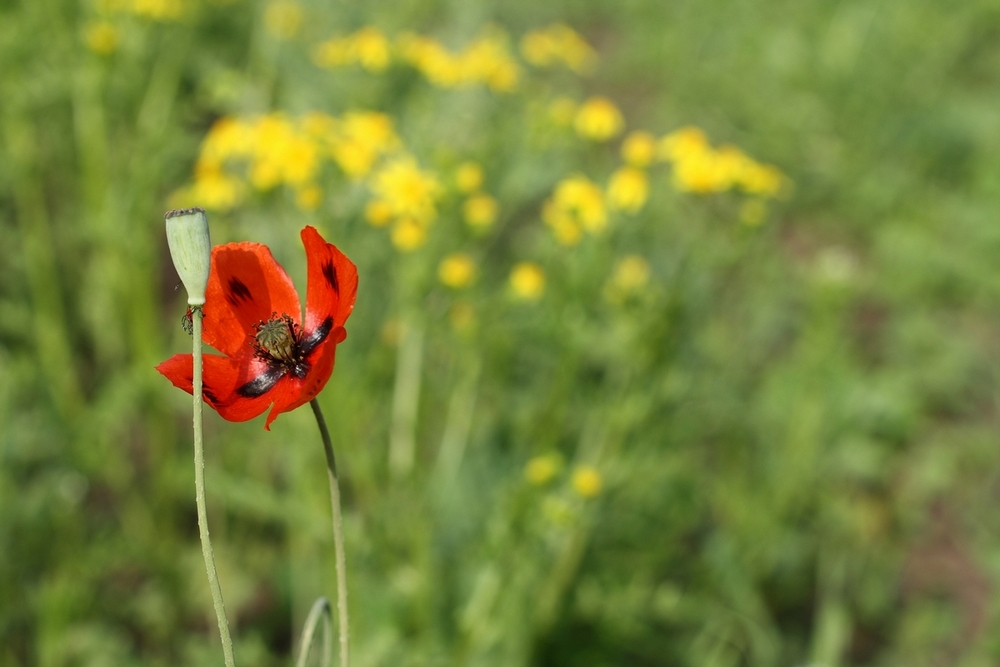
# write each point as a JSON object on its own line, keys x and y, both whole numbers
{"x": 360, "y": 139}
{"x": 732, "y": 163}
{"x": 300, "y": 161}
{"x": 378, "y": 213}
{"x": 408, "y": 234}
{"x": 562, "y": 111}
{"x": 565, "y": 228}
{"x": 587, "y": 481}
{"x": 215, "y": 190}
{"x": 578, "y": 55}
{"x": 542, "y": 469}
{"x": 639, "y": 149}
{"x": 227, "y": 138}
{"x": 308, "y": 197}
{"x": 544, "y": 47}
{"x": 101, "y": 37}
{"x": 701, "y": 172}
{"x": 264, "y": 175}
{"x": 760, "y": 179}
{"x": 283, "y": 18}
{"x": 599, "y": 119}
{"x": 457, "y": 271}
{"x": 537, "y": 48}
{"x": 281, "y": 153}
{"x": 431, "y": 59}
{"x": 368, "y": 47}
{"x": 409, "y": 192}
{"x": 480, "y": 211}
{"x": 371, "y": 128}
{"x": 333, "y": 52}
{"x": 488, "y": 61}
{"x": 157, "y": 10}
{"x": 576, "y": 200}
{"x": 469, "y": 177}
{"x": 527, "y": 281}
{"x": 628, "y": 189}
{"x": 682, "y": 143}
{"x": 372, "y": 49}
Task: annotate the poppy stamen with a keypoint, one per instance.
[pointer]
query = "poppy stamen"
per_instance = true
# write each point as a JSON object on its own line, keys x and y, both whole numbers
{"x": 277, "y": 339}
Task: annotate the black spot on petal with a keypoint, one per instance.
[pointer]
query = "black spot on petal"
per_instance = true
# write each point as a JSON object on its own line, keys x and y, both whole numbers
{"x": 263, "y": 383}
{"x": 330, "y": 273}
{"x": 238, "y": 292}
{"x": 317, "y": 336}
{"x": 209, "y": 395}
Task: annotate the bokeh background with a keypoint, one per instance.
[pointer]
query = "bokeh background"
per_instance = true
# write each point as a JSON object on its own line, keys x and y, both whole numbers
{"x": 738, "y": 409}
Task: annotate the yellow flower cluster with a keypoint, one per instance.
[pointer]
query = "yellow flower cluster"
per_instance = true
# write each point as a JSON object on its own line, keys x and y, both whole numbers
{"x": 101, "y": 37}
{"x": 702, "y": 169}
{"x": 527, "y": 281}
{"x": 639, "y": 149}
{"x": 368, "y": 47}
{"x": 275, "y": 150}
{"x": 576, "y": 205}
{"x": 480, "y": 209}
{"x": 487, "y": 60}
{"x": 153, "y": 10}
{"x": 587, "y": 481}
{"x": 598, "y": 119}
{"x": 628, "y": 189}
{"x": 457, "y": 271}
{"x": 558, "y": 43}
{"x": 405, "y": 196}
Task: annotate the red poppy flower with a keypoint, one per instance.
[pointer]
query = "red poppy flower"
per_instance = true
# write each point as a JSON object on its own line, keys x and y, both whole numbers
{"x": 252, "y": 316}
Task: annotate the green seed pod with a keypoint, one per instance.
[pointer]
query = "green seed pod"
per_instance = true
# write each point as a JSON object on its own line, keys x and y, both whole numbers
{"x": 190, "y": 250}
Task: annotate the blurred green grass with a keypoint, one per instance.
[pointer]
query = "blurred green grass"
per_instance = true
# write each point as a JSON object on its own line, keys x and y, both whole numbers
{"x": 795, "y": 425}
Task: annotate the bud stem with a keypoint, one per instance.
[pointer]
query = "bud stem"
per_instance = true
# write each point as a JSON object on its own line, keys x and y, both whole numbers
{"x": 199, "y": 484}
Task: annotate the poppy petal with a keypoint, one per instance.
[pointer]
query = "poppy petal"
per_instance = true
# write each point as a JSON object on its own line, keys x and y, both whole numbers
{"x": 246, "y": 286}
{"x": 300, "y": 392}
{"x": 332, "y": 282}
{"x": 223, "y": 378}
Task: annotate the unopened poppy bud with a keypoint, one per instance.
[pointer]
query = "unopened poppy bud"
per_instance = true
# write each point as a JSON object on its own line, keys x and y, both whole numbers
{"x": 190, "y": 250}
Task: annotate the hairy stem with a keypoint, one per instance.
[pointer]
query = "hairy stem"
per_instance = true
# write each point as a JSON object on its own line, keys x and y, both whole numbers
{"x": 199, "y": 483}
{"x": 338, "y": 537}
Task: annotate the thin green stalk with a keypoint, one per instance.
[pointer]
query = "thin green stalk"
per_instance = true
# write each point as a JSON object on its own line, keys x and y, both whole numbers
{"x": 338, "y": 536}
{"x": 458, "y": 424}
{"x": 320, "y": 610}
{"x": 199, "y": 484}
{"x": 406, "y": 399}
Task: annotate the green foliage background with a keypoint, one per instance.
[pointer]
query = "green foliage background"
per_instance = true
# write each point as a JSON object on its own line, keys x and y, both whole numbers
{"x": 796, "y": 425}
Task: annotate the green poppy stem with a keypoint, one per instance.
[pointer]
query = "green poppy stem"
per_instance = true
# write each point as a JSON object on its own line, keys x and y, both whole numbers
{"x": 338, "y": 536}
{"x": 199, "y": 483}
